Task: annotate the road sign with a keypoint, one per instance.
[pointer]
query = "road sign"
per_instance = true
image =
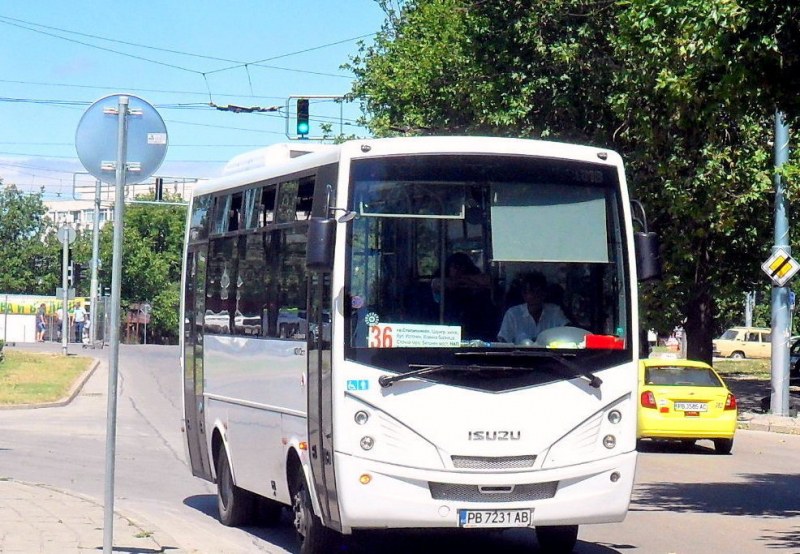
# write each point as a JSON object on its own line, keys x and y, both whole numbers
{"x": 66, "y": 234}
{"x": 70, "y": 293}
{"x": 96, "y": 139}
{"x": 780, "y": 267}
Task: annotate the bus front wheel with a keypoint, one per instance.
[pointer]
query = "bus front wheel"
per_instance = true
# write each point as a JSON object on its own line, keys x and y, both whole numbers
{"x": 313, "y": 536}
{"x": 558, "y": 539}
{"x": 235, "y": 505}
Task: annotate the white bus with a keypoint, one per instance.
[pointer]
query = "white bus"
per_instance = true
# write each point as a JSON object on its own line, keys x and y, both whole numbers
{"x": 346, "y": 348}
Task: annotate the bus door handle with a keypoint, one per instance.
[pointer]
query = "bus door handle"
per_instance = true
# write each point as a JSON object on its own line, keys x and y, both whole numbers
{"x": 327, "y": 457}
{"x": 314, "y": 451}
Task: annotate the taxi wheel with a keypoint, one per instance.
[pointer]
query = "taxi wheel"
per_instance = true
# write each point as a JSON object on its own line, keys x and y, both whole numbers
{"x": 723, "y": 446}
{"x": 558, "y": 539}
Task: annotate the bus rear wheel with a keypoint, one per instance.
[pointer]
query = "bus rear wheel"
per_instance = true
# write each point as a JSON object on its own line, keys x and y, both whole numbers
{"x": 557, "y": 539}
{"x": 235, "y": 505}
{"x": 312, "y": 535}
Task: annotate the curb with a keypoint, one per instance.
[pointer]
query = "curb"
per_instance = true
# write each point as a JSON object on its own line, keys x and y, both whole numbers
{"x": 772, "y": 424}
{"x": 73, "y": 392}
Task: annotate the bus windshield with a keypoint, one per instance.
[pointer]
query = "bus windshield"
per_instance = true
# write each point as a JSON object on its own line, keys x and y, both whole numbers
{"x": 485, "y": 252}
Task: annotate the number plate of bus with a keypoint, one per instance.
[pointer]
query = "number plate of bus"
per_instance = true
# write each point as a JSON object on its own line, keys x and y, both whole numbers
{"x": 691, "y": 406}
{"x": 495, "y": 518}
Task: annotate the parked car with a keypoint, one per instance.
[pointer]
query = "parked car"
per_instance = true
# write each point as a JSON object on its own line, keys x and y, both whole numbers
{"x": 744, "y": 342}
{"x": 794, "y": 357}
{"x": 687, "y": 401}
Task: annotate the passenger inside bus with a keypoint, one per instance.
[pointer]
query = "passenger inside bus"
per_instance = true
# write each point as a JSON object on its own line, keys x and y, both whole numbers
{"x": 467, "y": 296}
{"x": 522, "y": 323}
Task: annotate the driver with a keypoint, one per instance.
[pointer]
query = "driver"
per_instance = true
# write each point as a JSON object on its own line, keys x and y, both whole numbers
{"x": 525, "y": 321}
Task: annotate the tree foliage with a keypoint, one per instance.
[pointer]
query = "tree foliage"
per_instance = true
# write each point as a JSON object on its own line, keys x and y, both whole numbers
{"x": 685, "y": 89}
{"x": 152, "y": 247}
{"x": 30, "y": 260}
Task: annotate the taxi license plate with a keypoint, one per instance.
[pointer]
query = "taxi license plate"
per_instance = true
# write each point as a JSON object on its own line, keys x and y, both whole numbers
{"x": 691, "y": 406}
{"x": 495, "y": 518}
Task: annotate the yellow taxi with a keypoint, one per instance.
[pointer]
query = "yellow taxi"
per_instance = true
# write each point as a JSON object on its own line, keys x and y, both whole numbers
{"x": 685, "y": 400}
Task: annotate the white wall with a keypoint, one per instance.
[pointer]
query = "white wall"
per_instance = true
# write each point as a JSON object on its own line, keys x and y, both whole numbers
{"x": 21, "y": 328}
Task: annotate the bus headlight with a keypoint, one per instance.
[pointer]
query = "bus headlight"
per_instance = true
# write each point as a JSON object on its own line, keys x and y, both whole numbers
{"x": 361, "y": 417}
{"x": 367, "y": 442}
{"x": 609, "y": 441}
{"x": 614, "y": 416}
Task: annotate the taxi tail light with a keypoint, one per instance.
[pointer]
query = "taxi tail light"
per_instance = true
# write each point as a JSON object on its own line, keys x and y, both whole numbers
{"x": 730, "y": 402}
{"x": 648, "y": 399}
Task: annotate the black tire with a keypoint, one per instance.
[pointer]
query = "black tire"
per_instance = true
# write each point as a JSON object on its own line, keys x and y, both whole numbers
{"x": 737, "y": 355}
{"x": 312, "y": 536}
{"x": 688, "y": 443}
{"x": 723, "y": 446}
{"x": 557, "y": 539}
{"x": 236, "y": 506}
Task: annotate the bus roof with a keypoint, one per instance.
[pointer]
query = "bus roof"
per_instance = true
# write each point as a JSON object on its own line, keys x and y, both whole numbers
{"x": 288, "y": 158}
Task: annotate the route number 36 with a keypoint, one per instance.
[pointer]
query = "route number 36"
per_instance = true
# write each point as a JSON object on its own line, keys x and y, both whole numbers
{"x": 381, "y": 336}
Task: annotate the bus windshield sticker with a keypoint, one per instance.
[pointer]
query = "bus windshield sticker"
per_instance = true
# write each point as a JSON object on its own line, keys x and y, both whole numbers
{"x": 357, "y": 384}
{"x": 407, "y": 335}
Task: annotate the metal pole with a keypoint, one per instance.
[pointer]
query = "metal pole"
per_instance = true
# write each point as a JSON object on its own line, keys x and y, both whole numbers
{"x": 781, "y": 317}
{"x": 65, "y": 295}
{"x": 5, "y": 322}
{"x": 116, "y": 274}
{"x": 95, "y": 262}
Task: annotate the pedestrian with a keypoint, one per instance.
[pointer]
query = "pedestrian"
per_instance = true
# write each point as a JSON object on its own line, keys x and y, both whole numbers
{"x": 59, "y": 319}
{"x": 79, "y": 318}
{"x": 41, "y": 322}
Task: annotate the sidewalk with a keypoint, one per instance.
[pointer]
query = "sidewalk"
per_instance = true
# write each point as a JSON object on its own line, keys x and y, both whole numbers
{"x": 35, "y": 517}
{"x": 39, "y": 518}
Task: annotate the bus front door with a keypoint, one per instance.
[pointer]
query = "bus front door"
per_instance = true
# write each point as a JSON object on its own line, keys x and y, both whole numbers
{"x": 193, "y": 401}
{"x": 320, "y": 400}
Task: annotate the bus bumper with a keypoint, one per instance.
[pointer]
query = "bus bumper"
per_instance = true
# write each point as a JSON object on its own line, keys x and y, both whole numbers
{"x": 401, "y": 497}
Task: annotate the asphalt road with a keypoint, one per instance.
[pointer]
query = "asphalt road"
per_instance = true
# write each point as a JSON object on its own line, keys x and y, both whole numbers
{"x": 685, "y": 501}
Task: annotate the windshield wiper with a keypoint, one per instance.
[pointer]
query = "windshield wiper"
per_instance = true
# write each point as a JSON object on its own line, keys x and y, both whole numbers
{"x": 576, "y": 370}
{"x": 387, "y": 380}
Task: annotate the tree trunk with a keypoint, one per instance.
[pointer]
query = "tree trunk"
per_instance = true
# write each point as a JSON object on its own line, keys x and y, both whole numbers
{"x": 699, "y": 328}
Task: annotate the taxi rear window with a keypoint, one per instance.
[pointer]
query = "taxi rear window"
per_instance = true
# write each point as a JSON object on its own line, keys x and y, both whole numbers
{"x": 681, "y": 376}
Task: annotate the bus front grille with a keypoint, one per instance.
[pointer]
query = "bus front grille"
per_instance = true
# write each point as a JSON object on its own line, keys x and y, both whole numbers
{"x": 477, "y": 493}
{"x": 493, "y": 463}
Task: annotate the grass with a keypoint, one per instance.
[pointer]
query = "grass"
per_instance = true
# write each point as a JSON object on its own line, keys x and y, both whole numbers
{"x": 31, "y": 378}
{"x": 750, "y": 367}
{"x": 756, "y": 368}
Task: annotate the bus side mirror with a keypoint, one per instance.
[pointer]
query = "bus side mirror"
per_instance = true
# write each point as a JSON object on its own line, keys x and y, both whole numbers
{"x": 321, "y": 235}
{"x": 648, "y": 256}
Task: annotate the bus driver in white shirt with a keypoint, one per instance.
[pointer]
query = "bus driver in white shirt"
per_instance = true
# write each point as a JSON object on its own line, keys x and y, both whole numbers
{"x": 525, "y": 321}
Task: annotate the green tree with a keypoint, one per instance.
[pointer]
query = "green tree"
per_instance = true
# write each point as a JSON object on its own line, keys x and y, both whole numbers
{"x": 151, "y": 262}
{"x": 29, "y": 249}
{"x": 696, "y": 102}
{"x": 685, "y": 89}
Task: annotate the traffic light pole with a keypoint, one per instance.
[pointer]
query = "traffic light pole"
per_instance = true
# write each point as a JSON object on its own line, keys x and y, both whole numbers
{"x": 781, "y": 315}
{"x": 65, "y": 296}
{"x": 95, "y": 262}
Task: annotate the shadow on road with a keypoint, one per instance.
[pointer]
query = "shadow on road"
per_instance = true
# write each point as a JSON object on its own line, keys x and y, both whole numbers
{"x": 767, "y": 495}
{"x": 281, "y": 535}
{"x": 411, "y": 540}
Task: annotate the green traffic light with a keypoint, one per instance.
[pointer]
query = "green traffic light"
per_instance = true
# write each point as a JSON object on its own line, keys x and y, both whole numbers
{"x": 302, "y": 116}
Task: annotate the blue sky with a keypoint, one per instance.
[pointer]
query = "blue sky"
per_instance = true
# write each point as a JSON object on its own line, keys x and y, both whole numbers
{"x": 178, "y": 55}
